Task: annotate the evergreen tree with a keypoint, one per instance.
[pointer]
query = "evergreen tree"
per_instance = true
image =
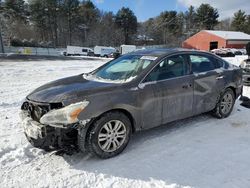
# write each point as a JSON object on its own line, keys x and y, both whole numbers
{"x": 39, "y": 18}
{"x": 89, "y": 15}
{"x": 71, "y": 10}
{"x": 248, "y": 25}
{"x": 16, "y": 9}
{"x": 207, "y": 16}
{"x": 190, "y": 21}
{"x": 239, "y": 22}
{"x": 127, "y": 21}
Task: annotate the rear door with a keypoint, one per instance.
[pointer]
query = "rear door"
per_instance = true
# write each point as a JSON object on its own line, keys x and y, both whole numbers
{"x": 208, "y": 81}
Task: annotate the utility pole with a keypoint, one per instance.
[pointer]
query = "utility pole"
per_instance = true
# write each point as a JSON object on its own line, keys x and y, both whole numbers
{"x": 1, "y": 39}
{"x": 84, "y": 28}
{"x": 1, "y": 42}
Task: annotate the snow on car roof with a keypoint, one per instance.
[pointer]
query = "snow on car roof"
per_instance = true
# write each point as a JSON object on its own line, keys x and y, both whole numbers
{"x": 230, "y": 35}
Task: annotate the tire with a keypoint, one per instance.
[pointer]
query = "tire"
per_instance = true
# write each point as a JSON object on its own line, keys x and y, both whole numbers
{"x": 225, "y": 104}
{"x": 109, "y": 135}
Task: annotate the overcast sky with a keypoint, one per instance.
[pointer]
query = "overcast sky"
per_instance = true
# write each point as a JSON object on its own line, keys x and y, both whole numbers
{"x": 145, "y": 9}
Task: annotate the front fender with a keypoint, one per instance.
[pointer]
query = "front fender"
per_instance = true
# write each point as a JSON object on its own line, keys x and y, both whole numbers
{"x": 99, "y": 104}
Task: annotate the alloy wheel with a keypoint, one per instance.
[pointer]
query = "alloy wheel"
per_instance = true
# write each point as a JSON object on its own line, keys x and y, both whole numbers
{"x": 112, "y": 135}
{"x": 226, "y": 103}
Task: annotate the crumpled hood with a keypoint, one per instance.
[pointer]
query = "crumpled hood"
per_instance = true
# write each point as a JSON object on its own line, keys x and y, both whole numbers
{"x": 68, "y": 88}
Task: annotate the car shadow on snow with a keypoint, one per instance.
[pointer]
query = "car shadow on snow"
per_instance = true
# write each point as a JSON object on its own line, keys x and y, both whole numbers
{"x": 149, "y": 153}
{"x": 178, "y": 152}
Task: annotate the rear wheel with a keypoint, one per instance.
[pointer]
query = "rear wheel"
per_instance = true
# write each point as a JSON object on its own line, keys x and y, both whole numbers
{"x": 109, "y": 135}
{"x": 225, "y": 104}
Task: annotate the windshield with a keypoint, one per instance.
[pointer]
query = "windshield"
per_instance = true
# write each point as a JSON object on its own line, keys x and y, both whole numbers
{"x": 123, "y": 69}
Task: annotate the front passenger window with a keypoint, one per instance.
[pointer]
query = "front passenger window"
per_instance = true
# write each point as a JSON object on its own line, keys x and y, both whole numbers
{"x": 171, "y": 67}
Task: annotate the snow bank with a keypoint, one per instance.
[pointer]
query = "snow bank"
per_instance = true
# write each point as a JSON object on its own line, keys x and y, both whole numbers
{"x": 196, "y": 152}
{"x": 236, "y": 60}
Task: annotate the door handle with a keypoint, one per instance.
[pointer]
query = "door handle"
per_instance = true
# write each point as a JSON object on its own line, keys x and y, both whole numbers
{"x": 219, "y": 77}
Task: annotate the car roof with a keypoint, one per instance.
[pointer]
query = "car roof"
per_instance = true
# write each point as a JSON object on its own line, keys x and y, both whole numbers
{"x": 161, "y": 51}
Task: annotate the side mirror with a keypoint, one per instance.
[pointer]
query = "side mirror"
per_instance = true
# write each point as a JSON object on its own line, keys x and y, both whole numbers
{"x": 143, "y": 85}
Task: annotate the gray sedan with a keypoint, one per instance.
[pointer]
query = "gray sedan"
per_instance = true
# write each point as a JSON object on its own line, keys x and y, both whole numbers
{"x": 97, "y": 112}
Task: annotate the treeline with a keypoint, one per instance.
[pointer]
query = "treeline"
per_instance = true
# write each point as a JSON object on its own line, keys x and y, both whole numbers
{"x": 65, "y": 22}
{"x": 173, "y": 28}
{"x": 58, "y": 23}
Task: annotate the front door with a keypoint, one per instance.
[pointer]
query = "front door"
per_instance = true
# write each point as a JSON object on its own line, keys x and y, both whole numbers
{"x": 173, "y": 88}
{"x": 177, "y": 98}
{"x": 150, "y": 105}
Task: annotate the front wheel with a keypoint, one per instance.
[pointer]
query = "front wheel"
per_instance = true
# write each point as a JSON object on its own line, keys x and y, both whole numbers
{"x": 109, "y": 135}
{"x": 225, "y": 104}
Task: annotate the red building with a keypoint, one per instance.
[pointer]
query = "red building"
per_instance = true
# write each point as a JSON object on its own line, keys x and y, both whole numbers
{"x": 209, "y": 40}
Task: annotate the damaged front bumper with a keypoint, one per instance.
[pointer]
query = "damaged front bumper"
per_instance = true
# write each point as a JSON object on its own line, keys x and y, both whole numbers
{"x": 45, "y": 136}
{"x": 32, "y": 128}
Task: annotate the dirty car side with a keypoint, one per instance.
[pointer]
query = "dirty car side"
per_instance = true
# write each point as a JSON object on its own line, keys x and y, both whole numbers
{"x": 145, "y": 102}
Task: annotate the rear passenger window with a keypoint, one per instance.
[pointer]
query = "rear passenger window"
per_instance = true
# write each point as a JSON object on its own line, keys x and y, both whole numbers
{"x": 202, "y": 63}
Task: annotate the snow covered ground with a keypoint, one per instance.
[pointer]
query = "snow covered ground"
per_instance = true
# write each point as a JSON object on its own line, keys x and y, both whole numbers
{"x": 200, "y": 152}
